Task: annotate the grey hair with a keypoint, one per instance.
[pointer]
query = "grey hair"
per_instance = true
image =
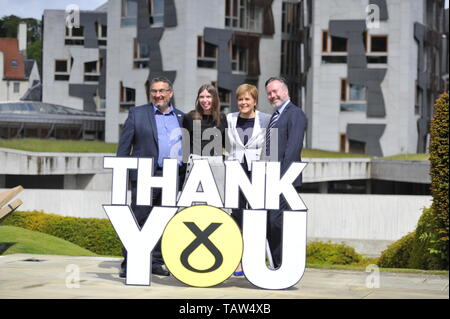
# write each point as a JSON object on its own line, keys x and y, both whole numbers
{"x": 277, "y": 78}
{"x": 162, "y": 79}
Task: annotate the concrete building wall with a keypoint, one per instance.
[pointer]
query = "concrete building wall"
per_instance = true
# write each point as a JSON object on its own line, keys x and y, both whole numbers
{"x": 367, "y": 222}
{"x": 54, "y": 48}
{"x": 398, "y": 86}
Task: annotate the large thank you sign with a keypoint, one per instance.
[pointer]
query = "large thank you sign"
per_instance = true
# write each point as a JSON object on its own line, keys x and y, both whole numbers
{"x": 201, "y": 244}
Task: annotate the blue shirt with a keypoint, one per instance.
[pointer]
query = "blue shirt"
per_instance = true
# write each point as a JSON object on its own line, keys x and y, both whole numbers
{"x": 169, "y": 135}
{"x": 283, "y": 106}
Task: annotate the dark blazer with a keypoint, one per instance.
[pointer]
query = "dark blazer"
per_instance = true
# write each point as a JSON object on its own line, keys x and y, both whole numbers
{"x": 291, "y": 127}
{"x": 139, "y": 135}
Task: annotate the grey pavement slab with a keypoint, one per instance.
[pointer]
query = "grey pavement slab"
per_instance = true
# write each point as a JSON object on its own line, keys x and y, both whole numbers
{"x": 62, "y": 277}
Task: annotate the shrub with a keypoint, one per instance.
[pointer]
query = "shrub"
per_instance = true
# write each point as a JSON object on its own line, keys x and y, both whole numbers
{"x": 423, "y": 251}
{"x": 94, "y": 234}
{"x": 331, "y": 254}
{"x": 437, "y": 232}
{"x": 397, "y": 254}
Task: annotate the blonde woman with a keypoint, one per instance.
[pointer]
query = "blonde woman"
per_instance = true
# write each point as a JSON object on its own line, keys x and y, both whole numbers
{"x": 246, "y": 134}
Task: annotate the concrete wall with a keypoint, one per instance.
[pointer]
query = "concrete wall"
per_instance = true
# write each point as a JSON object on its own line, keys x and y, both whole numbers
{"x": 85, "y": 170}
{"x": 54, "y": 48}
{"x": 367, "y": 222}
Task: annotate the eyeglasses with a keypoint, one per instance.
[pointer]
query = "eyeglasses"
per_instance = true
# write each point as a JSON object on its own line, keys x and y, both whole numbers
{"x": 162, "y": 91}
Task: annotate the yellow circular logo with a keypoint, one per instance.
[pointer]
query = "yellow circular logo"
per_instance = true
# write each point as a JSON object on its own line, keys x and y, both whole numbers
{"x": 202, "y": 246}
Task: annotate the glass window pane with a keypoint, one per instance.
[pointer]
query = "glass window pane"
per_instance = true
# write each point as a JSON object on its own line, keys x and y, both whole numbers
{"x": 158, "y": 7}
{"x": 379, "y": 44}
{"x": 357, "y": 92}
{"x": 338, "y": 44}
{"x": 131, "y": 8}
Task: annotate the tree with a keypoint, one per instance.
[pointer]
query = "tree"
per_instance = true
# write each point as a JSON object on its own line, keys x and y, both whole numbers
{"x": 9, "y": 25}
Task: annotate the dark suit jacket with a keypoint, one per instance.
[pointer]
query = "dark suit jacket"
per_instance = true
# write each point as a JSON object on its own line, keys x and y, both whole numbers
{"x": 140, "y": 136}
{"x": 291, "y": 127}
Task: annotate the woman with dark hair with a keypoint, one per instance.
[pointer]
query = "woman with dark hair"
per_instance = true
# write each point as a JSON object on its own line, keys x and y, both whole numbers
{"x": 207, "y": 113}
{"x": 206, "y": 126}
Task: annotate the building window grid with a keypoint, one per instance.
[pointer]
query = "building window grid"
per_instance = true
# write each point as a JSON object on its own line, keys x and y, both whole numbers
{"x": 239, "y": 59}
{"x": 155, "y": 9}
{"x": 353, "y": 97}
{"x": 156, "y": 12}
{"x": 243, "y": 15}
{"x": 92, "y": 70}
{"x": 331, "y": 44}
{"x": 61, "y": 70}
{"x": 127, "y": 98}
{"x": 206, "y": 54}
{"x": 291, "y": 17}
{"x": 289, "y": 58}
{"x": 141, "y": 54}
{"x": 16, "y": 87}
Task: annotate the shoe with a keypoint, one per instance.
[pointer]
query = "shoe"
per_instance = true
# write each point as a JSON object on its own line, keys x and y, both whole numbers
{"x": 238, "y": 273}
{"x": 123, "y": 272}
{"x": 159, "y": 270}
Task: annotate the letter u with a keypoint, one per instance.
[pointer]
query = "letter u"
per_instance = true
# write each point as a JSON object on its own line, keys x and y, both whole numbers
{"x": 294, "y": 250}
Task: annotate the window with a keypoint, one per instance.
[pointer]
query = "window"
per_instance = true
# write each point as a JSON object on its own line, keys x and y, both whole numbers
{"x": 141, "y": 54}
{"x": 357, "y": 92}
{"x": 343, "y": 89}
{"x": 239, "y": 59}
{"x": 74, "y": 36}
{"x": 378, "y": 43}
{"x": 353, "y": 97}
{"x": 129, "y": 13}
{"x": 324, "y": 41}
{"x": 75, "y": 32}
{"x": 206, "y": 54}
{"x": 156, "y": 12}
{"x": 16, "y": 87}
{"x": 127, "y": 98}
{"x": 290, "y": 19}
{"x": 225, "y": 100}
{"x": 61, "y": 70}
{"x": 129, "y": 8}
{"x": 92, "y": 71}
{"x": 342, "y": 142}
{"x": 101, "y": 31}
{"x": 338, "y": 44}
{"x": 356, "y": 147}
{"x": 243, "y": 14}
{"x": 61, "y": 66}
{"x": 289, "y": 58}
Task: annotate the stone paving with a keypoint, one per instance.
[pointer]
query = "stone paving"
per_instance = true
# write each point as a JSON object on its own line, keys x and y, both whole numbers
{"x": 26, "y": 276}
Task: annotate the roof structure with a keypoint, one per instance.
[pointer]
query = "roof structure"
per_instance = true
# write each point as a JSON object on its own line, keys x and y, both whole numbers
{"x": 14, "y": 64}
{"x": 38, "y": 119}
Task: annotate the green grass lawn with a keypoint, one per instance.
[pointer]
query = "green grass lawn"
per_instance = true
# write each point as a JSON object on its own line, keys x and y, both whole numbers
{"x": 314, "y": 153}
{"x": 70, "y": 146}
{"x": 24, "y": 241}
{"x": 408, "y": 157}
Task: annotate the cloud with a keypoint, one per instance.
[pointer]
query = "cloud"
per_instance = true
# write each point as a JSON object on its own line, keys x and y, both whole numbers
{"x": 35, "y": 8}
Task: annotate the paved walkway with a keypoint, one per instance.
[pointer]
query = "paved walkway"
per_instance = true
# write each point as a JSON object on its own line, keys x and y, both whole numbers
{"x": 46, "y": 276}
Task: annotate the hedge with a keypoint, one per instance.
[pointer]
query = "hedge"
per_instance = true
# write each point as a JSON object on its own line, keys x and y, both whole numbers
{"x": 331, "y": 254}
{"x": 398, "y": 254}
{"x": 439, "y": 219}
{"x": 427, "y": 247}
{"x": 94, "y": 234}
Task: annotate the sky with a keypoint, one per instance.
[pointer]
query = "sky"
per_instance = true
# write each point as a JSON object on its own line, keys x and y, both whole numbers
{"x": 35, "y": 8}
